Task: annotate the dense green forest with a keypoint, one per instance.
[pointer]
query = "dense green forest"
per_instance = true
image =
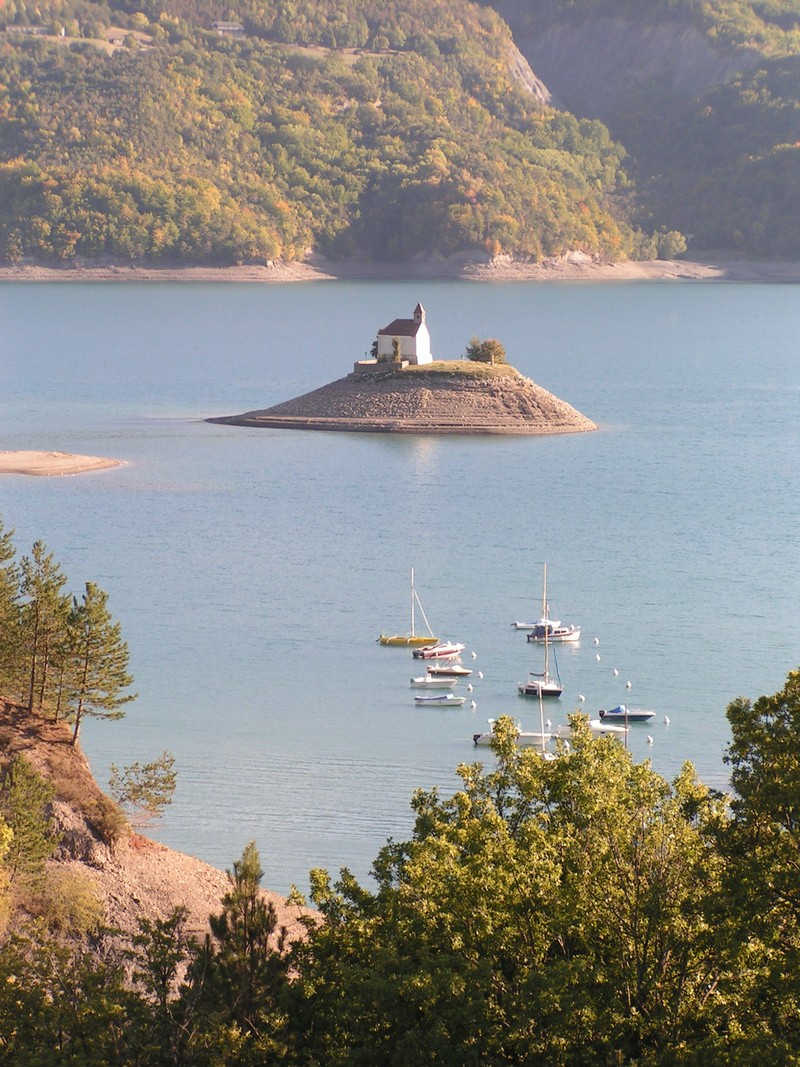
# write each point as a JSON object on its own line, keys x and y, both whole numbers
{"x": 725, "y": 167}
{"x": 722, "y": 167}
{"x": 132, "y": 131}
{"x": 772, "y": 26}
{"x": 185, "y": 146}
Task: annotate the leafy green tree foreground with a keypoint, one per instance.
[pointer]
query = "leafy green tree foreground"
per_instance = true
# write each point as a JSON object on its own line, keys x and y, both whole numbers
{"x": 581, "y": 910}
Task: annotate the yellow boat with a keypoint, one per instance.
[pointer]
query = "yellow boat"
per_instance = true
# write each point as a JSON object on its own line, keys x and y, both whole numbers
{"x": 412, "y": 639}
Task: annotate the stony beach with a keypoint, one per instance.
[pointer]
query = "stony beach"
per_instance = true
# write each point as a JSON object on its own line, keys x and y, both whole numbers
{"x": 572, "y": 267}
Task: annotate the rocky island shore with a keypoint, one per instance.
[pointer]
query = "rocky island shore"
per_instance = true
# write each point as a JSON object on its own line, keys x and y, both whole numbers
{"x": 444, "y": 397}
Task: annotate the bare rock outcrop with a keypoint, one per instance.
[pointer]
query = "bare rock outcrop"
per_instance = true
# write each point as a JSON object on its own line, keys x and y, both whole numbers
{"x": 592, "y": 64}
{"x": 445, "y": 399}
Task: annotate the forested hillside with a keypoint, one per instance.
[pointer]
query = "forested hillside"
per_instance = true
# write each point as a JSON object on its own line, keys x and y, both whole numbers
{"x": 705, "y": 96}
{"x": 188, "y": 146}
{"x": 152, "y": 131}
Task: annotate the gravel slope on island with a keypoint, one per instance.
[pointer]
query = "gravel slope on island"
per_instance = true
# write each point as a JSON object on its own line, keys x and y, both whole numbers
{"x": 480, "y": 400}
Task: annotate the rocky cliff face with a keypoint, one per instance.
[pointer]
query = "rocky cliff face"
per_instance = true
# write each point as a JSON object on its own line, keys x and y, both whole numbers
{"x": 523, "y": 74}
{"x": 592, "y": 65}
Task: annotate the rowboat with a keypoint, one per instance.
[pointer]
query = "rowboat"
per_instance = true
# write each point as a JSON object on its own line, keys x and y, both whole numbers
{"x": 448, "y": 700}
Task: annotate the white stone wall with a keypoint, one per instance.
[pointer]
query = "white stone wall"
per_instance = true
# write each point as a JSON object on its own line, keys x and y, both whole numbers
{"x": 414, "y": 349}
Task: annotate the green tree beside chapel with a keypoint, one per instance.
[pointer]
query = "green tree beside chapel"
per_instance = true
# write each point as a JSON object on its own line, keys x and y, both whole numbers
{"x": 488, "y": 351}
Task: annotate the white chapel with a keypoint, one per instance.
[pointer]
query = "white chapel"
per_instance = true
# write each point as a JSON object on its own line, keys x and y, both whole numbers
{"x": 412, "y": 336}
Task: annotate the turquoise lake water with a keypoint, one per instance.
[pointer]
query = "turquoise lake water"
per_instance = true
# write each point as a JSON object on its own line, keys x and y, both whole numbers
{"x": 252, "y": 570}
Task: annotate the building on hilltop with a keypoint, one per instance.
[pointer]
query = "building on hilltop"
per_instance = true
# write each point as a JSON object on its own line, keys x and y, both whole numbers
{"x": 228, "y": 29}
{"x": 413, "y": 339}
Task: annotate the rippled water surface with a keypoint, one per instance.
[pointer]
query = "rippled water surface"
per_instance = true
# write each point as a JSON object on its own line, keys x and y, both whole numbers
{"x": 252, "y": 570}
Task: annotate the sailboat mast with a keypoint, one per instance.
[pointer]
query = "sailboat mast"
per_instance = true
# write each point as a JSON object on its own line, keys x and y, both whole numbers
{"x": 412, "y": 602}
{"x": 546, "y": 627}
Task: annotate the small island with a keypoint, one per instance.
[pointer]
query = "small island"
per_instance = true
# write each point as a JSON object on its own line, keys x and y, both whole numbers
{"x": 403, "y": 389}
{"x": 47, "y": 464}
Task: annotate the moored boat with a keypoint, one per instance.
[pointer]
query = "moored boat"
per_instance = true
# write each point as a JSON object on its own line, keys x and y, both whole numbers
{"x": 524, "y": 738}
{"x": 449, "y": 700}
{"x": 540, "y": 685}
{"x": 431, "y": 681}
{"x": 622, "y": 713}
{"x": 547, "y": 628}
{"x": 440, "y": 650}
{"x": 411, "y": 639}
{"x": 552, "y": 630}
{"x": 448, "y": 669}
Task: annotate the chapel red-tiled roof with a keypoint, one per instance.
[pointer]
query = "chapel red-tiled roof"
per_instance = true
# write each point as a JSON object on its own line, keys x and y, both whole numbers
{"x": 401, "y": 328}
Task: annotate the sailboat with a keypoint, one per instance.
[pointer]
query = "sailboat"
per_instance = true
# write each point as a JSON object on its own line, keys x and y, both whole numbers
{"x": 541, "y": 684}
{"x": 411, "y": 639}
{"x": 553, "y": 629}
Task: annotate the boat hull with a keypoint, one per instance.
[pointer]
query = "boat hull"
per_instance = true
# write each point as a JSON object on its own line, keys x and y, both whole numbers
{"x": 399, "y": 641}
{"x": 561, "y": 635}
{"x": 537, "y": 689}
{"x": 432, "y": 682}
{"x": 446, "y": 700}
{"x": 440, "y": 651}
{"x": 448, "y": 670}
{"x": 625, "y": 714}
{"x": 524, "y": 739}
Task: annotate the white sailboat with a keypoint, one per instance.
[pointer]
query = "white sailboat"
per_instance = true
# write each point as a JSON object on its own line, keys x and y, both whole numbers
{"x": 523, "y": 739}
{"x": 546, "y": 627}
{"x": 411, "y": 639}
{"x": 541, "y": 684}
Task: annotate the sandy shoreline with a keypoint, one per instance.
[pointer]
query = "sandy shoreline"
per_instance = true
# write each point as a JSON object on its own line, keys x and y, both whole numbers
{"x": 52, "y": 463}
{"x": 573, "y": 267}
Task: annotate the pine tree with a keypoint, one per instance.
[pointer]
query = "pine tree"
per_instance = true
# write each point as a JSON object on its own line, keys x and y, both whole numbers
{"x": 240, "y": 975}
{"x": 98, "y": 661}
{"x": 24, "y": 802}
{"x": 44, "y": 619}
{"x": 10, "y": 645}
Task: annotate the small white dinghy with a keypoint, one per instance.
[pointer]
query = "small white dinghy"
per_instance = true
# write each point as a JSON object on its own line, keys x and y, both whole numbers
{"x": 433, "y": 681}
{"x": 440, "y": 700}
{"x": 441, "y": 650}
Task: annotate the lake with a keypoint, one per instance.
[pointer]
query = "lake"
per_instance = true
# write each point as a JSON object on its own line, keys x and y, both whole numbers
{"x": 252, "y": 570}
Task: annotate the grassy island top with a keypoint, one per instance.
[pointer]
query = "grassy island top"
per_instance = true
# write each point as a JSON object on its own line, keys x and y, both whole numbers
{"x": 462, "y": 368}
